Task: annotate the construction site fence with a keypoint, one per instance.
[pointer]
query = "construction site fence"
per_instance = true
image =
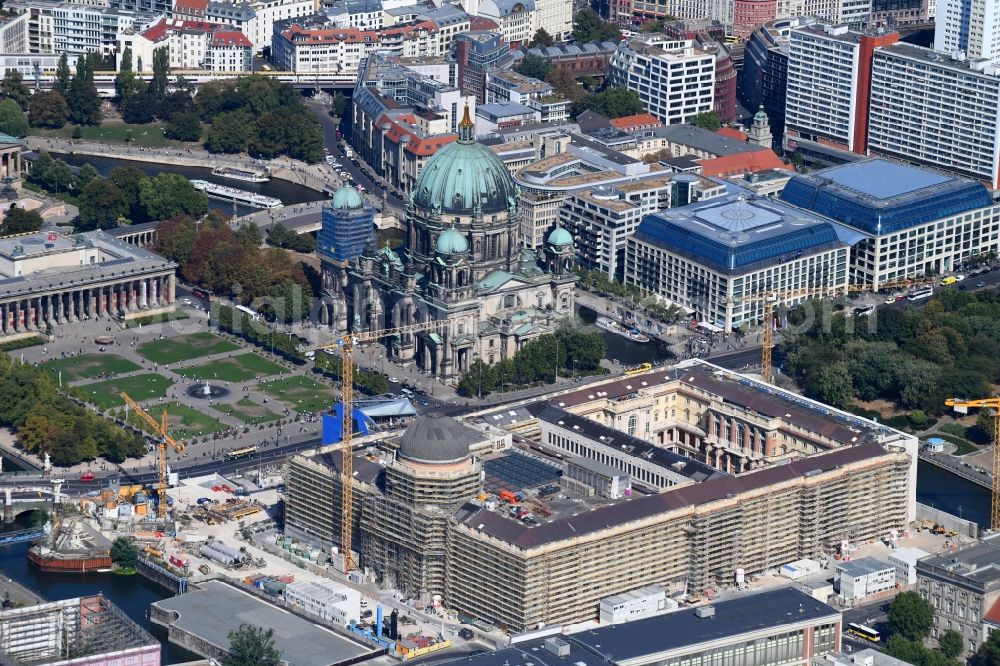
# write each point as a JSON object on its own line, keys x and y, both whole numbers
{"x": 952, "y": 523}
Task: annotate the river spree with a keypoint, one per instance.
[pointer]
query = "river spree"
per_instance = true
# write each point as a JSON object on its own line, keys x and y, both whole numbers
{"x": 288, "y": 192}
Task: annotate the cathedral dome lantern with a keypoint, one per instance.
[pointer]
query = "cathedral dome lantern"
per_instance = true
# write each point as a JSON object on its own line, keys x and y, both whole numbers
{"x": 465, "y": 178}
{"x": 451, "y": 242}
{"x": 560, "y": 238}
{"x": 347, "y": 198}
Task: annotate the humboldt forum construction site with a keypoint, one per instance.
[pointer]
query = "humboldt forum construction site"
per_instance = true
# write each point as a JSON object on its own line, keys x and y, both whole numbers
{"x": 690, "y": 477}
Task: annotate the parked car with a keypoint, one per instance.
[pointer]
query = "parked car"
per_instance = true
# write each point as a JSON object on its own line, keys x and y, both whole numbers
{"x": 465, "y": 634}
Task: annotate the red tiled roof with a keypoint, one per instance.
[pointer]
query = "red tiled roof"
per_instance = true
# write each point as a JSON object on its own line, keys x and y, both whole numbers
{"x": 230, "y": 38}
{"x": 740, "y": 163}
{"x": 993, "y": 614}
{"x": 300, "y": 35}
{"x": 426, "y": 146}
{"x": 732, "y": 133}
{"x": 190, "y": 7}
{"x": 162, "y": 29}
{"x": 638, "y": 121}
{"x": 482, "y": 23}
{"x": 400, "y": 128}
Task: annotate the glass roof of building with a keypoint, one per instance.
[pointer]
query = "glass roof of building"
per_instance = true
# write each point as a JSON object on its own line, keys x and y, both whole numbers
{"x": 737, "y": 234}
{"x": 879, "y": 197}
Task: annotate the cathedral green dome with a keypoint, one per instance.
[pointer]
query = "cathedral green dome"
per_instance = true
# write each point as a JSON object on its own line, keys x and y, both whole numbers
{"x": 464, "y": 176}
{"x": 560, "y": 237}
{"x": 451, "y": 242}
{"x": 347, "y": 198}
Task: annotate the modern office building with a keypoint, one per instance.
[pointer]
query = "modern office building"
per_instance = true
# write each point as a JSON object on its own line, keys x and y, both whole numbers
{"x": 601, "y": 219}
{"x": 716, "y": 257}
{"x": 969, "y": 27}
{"x": 912, "y": 221}
{"x": 478, "y": 53}
{"x": 503, "y": 538}
{"x": 52, "y": 279}
{"x": 675, "y": 79}
{"x": 963, "y": 586}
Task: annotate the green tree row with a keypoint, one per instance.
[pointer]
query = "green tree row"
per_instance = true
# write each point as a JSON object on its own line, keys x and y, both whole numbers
{"x": 279, "y": 236}
{"x": 233, "y": 264}
{"x": 47, "y": 421}
{"x": 282, "y": 344}
{"x": 569, "y": 350}
{"x": 366, "y": 381}
{"x": 913, "y": 357}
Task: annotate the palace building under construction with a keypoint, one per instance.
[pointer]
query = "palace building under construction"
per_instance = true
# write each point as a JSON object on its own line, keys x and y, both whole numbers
{"x": 690, "y": 475}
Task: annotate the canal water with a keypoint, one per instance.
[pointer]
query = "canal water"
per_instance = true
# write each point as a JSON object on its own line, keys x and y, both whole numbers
{"x": 289, "y": 193}
{"x": 132, "y": 594}
{"x": 949, "y": 492}
{"x": 626, "y": 351}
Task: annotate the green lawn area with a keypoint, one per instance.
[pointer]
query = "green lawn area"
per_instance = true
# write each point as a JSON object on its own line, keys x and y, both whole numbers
{"x": 248, "y": 411}
{"x": 185, "y": 347}
{"x": 236, "y": 369}
{"x": 183, "y": 421}
{"x": 173, "y": 315}
{"x": 300, "y": 393}
{"x": 146, "y": 386}
{"x": 150, "y": 135}
{"x": 88, "y": 366}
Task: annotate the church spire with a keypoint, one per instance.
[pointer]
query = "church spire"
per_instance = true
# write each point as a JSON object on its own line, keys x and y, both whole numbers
{"x": 466, "y": 128}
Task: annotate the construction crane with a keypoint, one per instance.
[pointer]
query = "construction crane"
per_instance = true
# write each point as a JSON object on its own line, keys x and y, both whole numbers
{"x": 160, "y": 428}
{"x": 346, "y": 344}
{"x": 994, "y": 404}
{"x": 771, "y": 297}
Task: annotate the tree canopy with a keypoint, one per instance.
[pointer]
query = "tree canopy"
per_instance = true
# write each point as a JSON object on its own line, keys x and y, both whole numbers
{"x": 124, "y": 552}
{"x": 19, "y": 221}
{"x": 47, "y": 421}
{"x": 251, "y": 646}
{"x": 569, "y": 350}
{"x": 231, "y": 263}
{"x": 82, "y": 98}
{"x": 48, "y": 109}
{"x": 183, "y": 127}
{"x": 614, "y": 103}
{"x": 12, "y": 87}
{"x": 534, "y": 66}
{"x": 910, "y": 616}
{"x": 707, "y": 120}
{"x": 542, "y": 38}
{"x": 589, "y": 27}
{"x": 12, "y": 119}
{"x": 102, "y": 205}
{"x": 170, "y": 194}
{"x": 914, "y": 357}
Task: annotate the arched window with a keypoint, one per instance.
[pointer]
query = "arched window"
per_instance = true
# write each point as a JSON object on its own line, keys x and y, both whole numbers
{"x": 631, "y": 424}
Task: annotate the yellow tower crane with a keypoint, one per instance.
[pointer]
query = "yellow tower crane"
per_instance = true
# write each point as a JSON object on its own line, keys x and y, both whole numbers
{"x": 994, "y": 404}
{"x": 772, "y": 297}
{"x": 346, "y": 344}
{"x": 160, "y": 428}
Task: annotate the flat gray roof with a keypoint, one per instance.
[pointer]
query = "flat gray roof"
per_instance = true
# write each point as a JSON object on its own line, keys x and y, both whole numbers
{"x": 979, "y": 563}
{"x": 215, "y": 609}
{"x": 863, "y": 567}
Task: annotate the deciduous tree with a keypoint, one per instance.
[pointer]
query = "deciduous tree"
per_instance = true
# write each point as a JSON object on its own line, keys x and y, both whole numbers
{"x": 183, "y": 127}
{"x": 707, "y": 120}
{"x": 12, "y": 87}
{"x": 910, "y": 616}
{"x": 542, "y": 38}
{"x": 48, "y": 109}
{"x": 170, "y": 194}
{"x": 20, "y": 221}
{"x": 12, "y": 119}
{"x": 61, "y": 84}
{"x": 101, "y": 205}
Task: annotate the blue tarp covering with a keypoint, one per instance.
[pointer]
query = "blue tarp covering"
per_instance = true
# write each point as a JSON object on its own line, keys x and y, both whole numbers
{"x": 333, "y": 424}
